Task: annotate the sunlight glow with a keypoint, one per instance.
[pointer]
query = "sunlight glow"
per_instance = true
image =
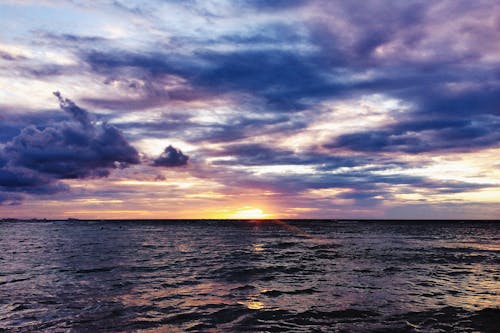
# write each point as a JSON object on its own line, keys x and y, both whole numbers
{"x": 249, "y": 213}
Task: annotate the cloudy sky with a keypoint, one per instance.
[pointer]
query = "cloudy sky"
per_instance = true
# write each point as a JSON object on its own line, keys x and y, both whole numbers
{"x": 250, "y": 108}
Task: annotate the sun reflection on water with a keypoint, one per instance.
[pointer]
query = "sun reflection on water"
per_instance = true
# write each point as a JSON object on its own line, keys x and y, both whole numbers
{"x": 253, "y": 305}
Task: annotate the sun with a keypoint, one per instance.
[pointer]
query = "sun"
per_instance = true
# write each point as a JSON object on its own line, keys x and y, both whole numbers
{"x": 249, "y": 213}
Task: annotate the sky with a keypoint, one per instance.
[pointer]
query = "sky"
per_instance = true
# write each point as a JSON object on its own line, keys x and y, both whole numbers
{"x": 250, "y": 109}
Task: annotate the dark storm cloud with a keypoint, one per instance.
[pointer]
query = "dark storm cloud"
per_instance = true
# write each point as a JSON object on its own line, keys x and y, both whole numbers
{"x": 18, "y": 179}
{"x": 171, "y": 157}
{"x": 69, "y": 151}
{"x": 34, "y": 160}
{"x": 8, "y": 131}
{"x": 3, "y": 160}
{"x": 12, "y": 122}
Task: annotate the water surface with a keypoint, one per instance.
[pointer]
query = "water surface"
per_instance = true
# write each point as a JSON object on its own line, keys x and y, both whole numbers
{"x": 272, "y": 276}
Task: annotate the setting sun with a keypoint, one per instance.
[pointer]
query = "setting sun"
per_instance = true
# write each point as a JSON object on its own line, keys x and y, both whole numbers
{"x": 249, "y": 213}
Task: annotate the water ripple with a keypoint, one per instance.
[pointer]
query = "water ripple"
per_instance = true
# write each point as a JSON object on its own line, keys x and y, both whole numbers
{"x": 199, "y": 276}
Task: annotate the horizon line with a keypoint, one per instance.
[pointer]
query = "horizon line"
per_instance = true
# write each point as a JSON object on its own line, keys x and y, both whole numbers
{"x": 7, "y": 219}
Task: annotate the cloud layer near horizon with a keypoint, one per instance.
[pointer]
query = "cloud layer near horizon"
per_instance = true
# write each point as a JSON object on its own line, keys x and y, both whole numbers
{"x": 305, "y": 108}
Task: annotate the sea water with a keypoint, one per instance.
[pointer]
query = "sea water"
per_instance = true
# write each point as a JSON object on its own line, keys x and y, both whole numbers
{"x": 255, "y": 276}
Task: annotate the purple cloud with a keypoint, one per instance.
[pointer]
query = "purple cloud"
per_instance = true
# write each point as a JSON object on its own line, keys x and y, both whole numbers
{"x": 74, "y": 149}
{"x": 35, "y": 159}
{"x": 171, "y": 157}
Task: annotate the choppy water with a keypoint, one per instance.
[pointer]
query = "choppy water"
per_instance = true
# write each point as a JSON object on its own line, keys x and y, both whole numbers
{"x": 208, "y": 276}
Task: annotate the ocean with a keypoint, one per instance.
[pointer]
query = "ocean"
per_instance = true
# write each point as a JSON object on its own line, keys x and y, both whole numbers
{"x": 249, "y": 276}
